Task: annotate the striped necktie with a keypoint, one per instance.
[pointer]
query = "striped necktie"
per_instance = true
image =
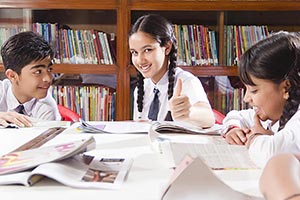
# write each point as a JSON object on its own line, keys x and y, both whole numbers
{"x": 154, "y": 106}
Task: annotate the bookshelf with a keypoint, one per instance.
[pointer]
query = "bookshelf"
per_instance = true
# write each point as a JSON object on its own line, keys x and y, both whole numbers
{"x": 118, "y": 15}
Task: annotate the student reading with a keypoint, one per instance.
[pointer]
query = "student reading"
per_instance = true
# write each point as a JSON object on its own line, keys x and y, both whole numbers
{"x": 270, "y": 71}
{"x": 27, "y": 59}
{"x": 153, "y": 53}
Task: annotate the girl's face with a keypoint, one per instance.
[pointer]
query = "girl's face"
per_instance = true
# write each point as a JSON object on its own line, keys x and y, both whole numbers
{"x": 148, "y": 56}
{"x": 267, "y": 98}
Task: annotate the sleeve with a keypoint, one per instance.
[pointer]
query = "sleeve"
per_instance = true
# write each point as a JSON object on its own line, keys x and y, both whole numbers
{"x": 192, "y": 87}
{"x": 286, "y": 140}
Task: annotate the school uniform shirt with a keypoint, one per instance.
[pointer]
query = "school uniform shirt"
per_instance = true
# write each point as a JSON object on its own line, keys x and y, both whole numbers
{"x": 45, "y": 108}
{"x": 191, "y": 87}
{"x": 264, "y": 147}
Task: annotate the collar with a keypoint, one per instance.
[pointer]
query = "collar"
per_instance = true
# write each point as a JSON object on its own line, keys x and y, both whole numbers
{"x": 13, "y": 103}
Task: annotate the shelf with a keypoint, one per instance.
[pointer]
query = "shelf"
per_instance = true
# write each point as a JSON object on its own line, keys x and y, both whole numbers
{"x": 204, "y": 70}
{"x": 81, "y": 69}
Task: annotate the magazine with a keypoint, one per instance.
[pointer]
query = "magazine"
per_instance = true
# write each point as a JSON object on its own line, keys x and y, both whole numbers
{"x": 80, "y": 171}
{"x": 23, "y": 160}
{"x": 119, "y": 127}
{"x": 192, "y": 179}
{"x": 185, "y": 128}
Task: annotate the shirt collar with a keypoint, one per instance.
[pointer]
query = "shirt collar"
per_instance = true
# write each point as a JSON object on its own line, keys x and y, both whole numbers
{"x": 13, "y": 103}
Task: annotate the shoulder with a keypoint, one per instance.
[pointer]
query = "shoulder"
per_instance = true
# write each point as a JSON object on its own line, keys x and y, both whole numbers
{"x": 5, "y": 84}
{"x": 186, "y": 76}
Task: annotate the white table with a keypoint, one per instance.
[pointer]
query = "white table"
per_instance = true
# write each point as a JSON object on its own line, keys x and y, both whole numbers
{"x": 146, "y": 180}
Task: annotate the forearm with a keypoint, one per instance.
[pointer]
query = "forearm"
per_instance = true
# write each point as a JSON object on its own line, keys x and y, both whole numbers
{"x": 201, "y": 115}
{"x": 281, "y": 177}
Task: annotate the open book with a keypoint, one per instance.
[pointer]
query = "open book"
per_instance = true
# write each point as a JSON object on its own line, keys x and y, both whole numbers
{"x": 192, "y": 179}
{"x": 23, "y": 160}
{"x": 184, "y": 128}
{"x": 80, "y": 171}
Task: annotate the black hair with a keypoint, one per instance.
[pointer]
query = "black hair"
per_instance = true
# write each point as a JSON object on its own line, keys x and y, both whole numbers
{"x": 275, "y": 58}
{"x": 23, "y": 48}
{"x": 161, "y": 30}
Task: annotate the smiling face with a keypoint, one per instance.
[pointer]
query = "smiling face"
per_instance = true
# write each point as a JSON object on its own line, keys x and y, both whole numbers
{"x": 148, "y": 56}
{"x": 267, "y": 98}
{"x": 33, "y": 82}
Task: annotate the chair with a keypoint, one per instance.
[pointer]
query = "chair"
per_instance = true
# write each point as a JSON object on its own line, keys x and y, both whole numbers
{"x": 68, "y": 114}
{"x": 218, "y": 116}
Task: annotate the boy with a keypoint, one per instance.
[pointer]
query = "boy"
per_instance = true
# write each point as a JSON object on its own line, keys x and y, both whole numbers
{"x": 27, "y": 59}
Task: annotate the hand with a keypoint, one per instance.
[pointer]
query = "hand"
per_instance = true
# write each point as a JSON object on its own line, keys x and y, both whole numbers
{"x": 256, "y": 130}
{"x": 15, "y": 118}
{"x": 237, "y": 136}
{"x": 179, "y": 104}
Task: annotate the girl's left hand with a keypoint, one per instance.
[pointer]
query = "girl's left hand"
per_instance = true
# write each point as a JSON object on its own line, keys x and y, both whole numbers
{"x": 256, "y": 130}
{"x": 179, "y": 104}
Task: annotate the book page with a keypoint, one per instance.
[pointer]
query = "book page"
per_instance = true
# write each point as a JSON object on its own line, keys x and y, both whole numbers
{"x": 197, "y": 181}
{"x": 214, "y": 151}
{"x": 23, "y": 160}
{"x": 88, "y": 171}
{"x": 120, "y": 127}
{"x": 184, "y": 128}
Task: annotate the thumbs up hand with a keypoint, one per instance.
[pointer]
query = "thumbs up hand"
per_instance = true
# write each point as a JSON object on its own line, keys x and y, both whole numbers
{"x": 179, "y": 104}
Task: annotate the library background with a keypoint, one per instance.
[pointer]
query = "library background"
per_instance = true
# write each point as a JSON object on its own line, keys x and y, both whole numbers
{"x": 93, "y": 75}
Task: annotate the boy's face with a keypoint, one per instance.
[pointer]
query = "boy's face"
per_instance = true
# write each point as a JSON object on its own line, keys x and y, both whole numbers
{"x": 267, "y": 98}
{"x": 33, "y": 82}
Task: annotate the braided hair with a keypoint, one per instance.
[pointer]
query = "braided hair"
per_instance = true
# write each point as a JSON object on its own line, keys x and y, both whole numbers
{"x": 276, "y": 58}
{"x": 162, "y": 31}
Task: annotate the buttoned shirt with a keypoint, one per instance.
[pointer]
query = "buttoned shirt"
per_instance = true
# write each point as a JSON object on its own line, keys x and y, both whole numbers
{"x": 191, "y": 87}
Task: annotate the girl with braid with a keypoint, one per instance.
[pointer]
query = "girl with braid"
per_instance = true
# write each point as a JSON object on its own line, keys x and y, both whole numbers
{"x": 270, "y": 71}
{"x": 153, "y": 53}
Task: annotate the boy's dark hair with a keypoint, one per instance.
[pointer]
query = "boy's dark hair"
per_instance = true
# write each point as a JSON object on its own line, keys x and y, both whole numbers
{"x": 275, "y": 58}
{"x": 23, "y": 48}
{"x": 161, "y": 30}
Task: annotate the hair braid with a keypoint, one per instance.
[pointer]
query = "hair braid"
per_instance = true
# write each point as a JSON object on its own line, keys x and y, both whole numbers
{"x": 140, "y": 92}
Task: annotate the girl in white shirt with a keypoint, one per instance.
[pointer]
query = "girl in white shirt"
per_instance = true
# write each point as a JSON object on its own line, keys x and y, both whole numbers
{"x": 270, "y": 71}
{"x": 153, "y": 52}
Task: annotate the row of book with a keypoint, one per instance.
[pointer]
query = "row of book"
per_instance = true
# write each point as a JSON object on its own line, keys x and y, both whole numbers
{"x": 230, "y": 100}
{"x": 92, "y": 103}
{"x": 237, "y": 39}
{"x": 196, "y": 45}
{"x": 7, "y": 31}
{"x": 79, "y": 46}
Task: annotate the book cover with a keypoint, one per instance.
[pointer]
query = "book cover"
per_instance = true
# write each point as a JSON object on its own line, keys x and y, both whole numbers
{"x": 192, "y": 179}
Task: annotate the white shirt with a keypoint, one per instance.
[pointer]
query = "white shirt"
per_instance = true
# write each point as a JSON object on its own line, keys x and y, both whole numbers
{"x": 45, "y": 108}
{"x": 191, "y": 87}
{"x": 264, "y": 147}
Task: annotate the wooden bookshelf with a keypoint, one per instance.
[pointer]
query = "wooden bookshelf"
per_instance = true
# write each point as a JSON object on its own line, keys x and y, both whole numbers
{"x": 215, "y": 14}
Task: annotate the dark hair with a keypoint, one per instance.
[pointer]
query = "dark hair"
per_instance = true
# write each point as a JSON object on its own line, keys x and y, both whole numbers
{"x": 23, "y": 48}
{"x": 275, "y": 58}
{"x": 161, "y": 30}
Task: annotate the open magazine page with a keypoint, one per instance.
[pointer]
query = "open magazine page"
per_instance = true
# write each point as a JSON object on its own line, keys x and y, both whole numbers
{"x": 214, "y": 150}
{"x": 106, "y": 173}
{"x": 192, "y": 179}
{"x": 24, "y": 160}
{"x": 118, "y": 127}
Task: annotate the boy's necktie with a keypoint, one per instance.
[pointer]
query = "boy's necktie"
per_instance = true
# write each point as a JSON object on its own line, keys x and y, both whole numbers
{"x": 154, "y": 107}
{"x": 20, "y": 109}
